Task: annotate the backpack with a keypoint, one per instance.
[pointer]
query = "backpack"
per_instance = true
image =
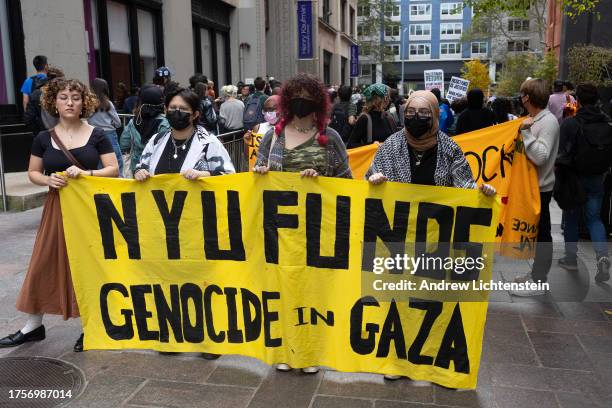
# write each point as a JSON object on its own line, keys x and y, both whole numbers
{"x": 593, "y": 150}
{"x": 37, "y": 82}
{"x": 339, "y": 121}
{"x": 387, "y": 119}
{"x": 253, "y": 112}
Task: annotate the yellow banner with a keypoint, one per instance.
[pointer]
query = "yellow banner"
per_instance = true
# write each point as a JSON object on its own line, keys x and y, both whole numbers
{"x": 271, "y": 267}
{"x": 497, "y": 156}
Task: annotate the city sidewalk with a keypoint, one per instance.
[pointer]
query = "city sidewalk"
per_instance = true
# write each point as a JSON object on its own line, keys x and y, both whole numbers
{"x": 535, "y": 354}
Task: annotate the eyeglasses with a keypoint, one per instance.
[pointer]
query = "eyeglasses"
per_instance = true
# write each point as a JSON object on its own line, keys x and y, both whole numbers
{"x": 173, "y": 109}
{"x": 423, "y": 112}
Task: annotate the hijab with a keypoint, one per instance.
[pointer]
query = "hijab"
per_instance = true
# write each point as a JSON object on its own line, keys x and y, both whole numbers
{"x": 430, "y": 139}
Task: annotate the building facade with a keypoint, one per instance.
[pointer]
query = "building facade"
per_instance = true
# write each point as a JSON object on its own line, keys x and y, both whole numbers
{"x": 334, "y": 31}
{"x": 124, "y": 41}
{"x": 425, "y": 35}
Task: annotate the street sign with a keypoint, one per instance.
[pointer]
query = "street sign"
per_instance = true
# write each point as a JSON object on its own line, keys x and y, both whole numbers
{"x": 457, "y": 88}
{"x": 304, "y": 26}
{"x": 354, "y": 61}
{"x": 434, "y": 78}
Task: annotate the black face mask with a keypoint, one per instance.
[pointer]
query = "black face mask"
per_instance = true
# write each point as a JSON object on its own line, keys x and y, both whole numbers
{"x": 302, "y": 107}
{"x": 418, "y": 126}
{"x": 178, "y": 120}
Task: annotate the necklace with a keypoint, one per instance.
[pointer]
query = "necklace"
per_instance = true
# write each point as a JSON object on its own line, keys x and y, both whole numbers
{"x": 304, "y": 130}
{"x": 418, "y": 157}
{"x": 183, "y": 146}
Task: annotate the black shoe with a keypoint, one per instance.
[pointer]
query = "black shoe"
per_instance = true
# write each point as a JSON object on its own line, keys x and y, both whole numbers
{"x": 603, "y": 269}
{"x": 210, "y": 356}
{"x": 18, "y": 338}
{"x": 569, "y": 264}
{"x": 78, "y": 346}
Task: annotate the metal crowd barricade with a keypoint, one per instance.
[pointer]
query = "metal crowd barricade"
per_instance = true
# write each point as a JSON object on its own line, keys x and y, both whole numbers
{"x": 234, "y": 144}
{"x": 125, "y": 118}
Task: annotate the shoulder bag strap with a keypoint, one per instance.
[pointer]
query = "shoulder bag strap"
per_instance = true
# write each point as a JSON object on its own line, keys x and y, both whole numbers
{"x": 66, "y": 152}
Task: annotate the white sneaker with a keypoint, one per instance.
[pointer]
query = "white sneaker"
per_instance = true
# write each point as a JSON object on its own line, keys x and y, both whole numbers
{"x": 283, "y": 367}
{"x": 310, "y": 370}
{"x": 392, "y": 377}
{"x": 527, "y": 292}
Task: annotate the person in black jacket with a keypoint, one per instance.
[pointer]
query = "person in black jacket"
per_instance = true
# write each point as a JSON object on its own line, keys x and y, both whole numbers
{"x": 591, "y": 179}
{"x": 476, "y": 116}
{"x": 208, "y": 118}
{"x": 35, "y": 118}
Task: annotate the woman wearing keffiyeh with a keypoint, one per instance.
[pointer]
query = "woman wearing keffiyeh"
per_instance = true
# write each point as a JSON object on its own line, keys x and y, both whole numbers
{"x": 420, "y": 153}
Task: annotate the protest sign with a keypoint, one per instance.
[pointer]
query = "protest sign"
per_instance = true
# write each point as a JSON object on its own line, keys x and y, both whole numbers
{"x": 252, "y": 148}
{"x": 270, "y": 267}
{"x": 496, "y": 156}
{"x": 457, "y": 88}
{"x": 434, "y": 78}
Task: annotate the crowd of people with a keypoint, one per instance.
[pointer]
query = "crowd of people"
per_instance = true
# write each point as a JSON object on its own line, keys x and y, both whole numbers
{"x": 306, "y": 128}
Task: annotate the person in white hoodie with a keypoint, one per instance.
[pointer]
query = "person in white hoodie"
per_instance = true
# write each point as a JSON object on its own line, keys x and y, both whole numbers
{"x": 540, "y": 133}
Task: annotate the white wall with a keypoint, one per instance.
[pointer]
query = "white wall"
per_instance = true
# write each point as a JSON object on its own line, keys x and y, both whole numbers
{"x": 56, "y": 29}
{"x": 248, "y": 26}
{"x": 178, "y": 39}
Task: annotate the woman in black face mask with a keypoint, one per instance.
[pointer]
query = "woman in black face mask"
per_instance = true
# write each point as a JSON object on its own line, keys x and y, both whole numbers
{"x": 301, "y": 142}
{"x": 420, "y": 153}
{"x": 186, "y": 148}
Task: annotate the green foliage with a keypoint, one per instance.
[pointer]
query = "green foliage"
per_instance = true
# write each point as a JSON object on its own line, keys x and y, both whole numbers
{"x": 588, "y": 63}
{"x": 372, "y": 29}
{"x": 547, "y": 68}
{"x": 519, "y": 8}
{"x": 477, "y": 73}
{"x": 516, "y": 70}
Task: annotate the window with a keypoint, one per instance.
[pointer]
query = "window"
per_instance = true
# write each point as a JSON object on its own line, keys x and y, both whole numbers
{"x": 343, "y": 70}
{"x": 393, "y": 49}
{"x": 480, "y": 47}
{"x": 518, "y": 25}
{"x": 420, "y": 10}
{"x": 519, "y": 45}
{"x": 120, "y": 46}
{"x": 365, "y": 49}
{"x": 327, "y": 62}
{"x": 392, "y": 30}
{"x": 146, "y": 45}
{"x": 450, "y": 48}
{"x": 326, "y": 11}
{"x": 366, "y": 69}
{"x": 392, "y": 10}
{"x": 352, "y": 21}
{"x": 451, "y": 10}
{"x": 363, "y": 11}
{"x": 7, "y": 87}
{"x": 360, "y": 30}
{"x": 451, "y": 28}
{"x": 420, "y": 29}
{"x": 343, "y": 16}
{"x": 420, "y": 49}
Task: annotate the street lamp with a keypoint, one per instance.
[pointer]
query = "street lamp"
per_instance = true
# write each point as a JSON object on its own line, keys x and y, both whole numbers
{"x": 403, "y": 56}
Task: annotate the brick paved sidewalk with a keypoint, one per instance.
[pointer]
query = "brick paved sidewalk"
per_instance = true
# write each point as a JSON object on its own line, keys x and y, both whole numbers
{"x": 536, "y": 354}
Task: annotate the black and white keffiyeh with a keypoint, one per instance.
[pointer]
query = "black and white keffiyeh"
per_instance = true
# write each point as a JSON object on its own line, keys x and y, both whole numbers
{"x": 452, "y": 169}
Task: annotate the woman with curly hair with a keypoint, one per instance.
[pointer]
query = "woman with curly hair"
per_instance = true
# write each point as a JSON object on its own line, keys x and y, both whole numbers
{"x": 76, "y": 148}
{"x": 301, "y": 142}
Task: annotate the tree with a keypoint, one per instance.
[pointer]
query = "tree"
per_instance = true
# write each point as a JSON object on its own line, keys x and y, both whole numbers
{"x": 477, "y": 73}
{"x": 516, "y": 70}
{"x": 547, "y": 68}
{"x": 372, "y": 28}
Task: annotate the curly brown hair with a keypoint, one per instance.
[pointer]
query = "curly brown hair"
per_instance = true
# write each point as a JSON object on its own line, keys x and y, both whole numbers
{"x": 55, "y": 86}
